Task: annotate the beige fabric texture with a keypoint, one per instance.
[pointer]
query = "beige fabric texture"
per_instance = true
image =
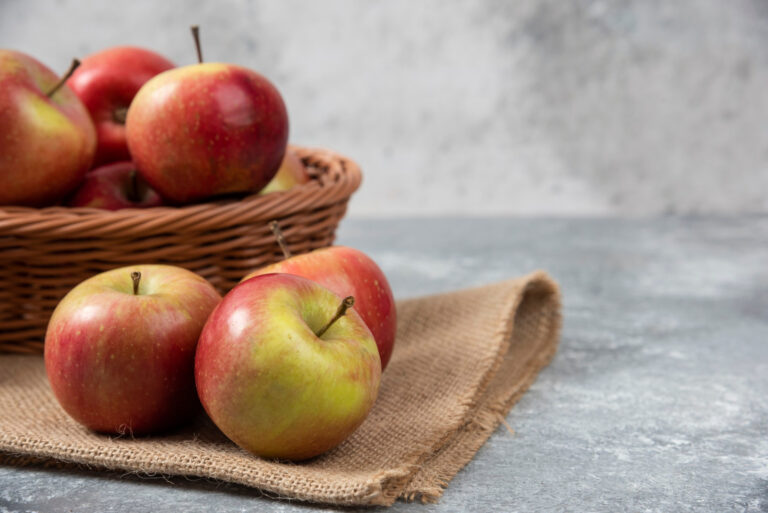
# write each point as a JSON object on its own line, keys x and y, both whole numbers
{"x": 462, "y": 359}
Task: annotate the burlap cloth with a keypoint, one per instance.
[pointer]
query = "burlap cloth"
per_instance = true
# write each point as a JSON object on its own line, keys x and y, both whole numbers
{"x": 462, "y": 360}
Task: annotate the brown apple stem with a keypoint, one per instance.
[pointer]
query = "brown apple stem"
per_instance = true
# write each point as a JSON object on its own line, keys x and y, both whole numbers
{"x": 196, "y": 36}
{"x": 119, "y": 115}
{"x": 280, "y": 239}
{"x": 64, "y": 78}
{"x": 133, "y": 186}
{"x": 345, "y": 305}
{"x": 136, "y": 277}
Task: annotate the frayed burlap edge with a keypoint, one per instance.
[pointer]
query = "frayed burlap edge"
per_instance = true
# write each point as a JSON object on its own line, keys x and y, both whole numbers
{"x": 487, "y": 407}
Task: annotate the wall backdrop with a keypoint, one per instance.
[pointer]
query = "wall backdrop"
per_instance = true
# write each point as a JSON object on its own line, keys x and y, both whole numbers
{"x": 590, "y": 107}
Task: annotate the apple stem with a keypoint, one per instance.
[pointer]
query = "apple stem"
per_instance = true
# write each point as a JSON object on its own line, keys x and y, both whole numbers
{"x": 119, "y": 115}
{"x": 196, "y": 36}
{"x": 64, "y": 78}
{"x": 136, "y": 277}
{"x": 345, "y": 305}
{"x": 280, "y": 239}
{"x": 133, "y": 186}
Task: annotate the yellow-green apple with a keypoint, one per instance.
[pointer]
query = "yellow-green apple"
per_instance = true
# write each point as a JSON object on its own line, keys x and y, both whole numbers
{"x": 349, "y": 272}
{"x": 282, "y": 371}
{"x": 206, "y": 130}
{"x": 292, "y": 172}
{"x": 47, "y": 139}
{"x": 120, "y": 348}
{"x": 106, "y": 82}
{"x": 113, "y": 187}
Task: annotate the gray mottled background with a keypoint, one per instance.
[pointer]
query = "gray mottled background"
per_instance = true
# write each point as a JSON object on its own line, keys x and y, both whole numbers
{"x": 482, "y": 107}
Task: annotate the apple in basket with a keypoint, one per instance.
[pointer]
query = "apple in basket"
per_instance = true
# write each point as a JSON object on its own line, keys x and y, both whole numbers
{"x": 207, "y": 129}
{"x": 284, "y": 369}
{"x": 292, "y": 172}
{"x": 347, "y": 272}
{"x": 47, "y": 139}
{"x": 113, "y": 187}
{"x": 120, "y": 348}
{"x": 106, "y": 82}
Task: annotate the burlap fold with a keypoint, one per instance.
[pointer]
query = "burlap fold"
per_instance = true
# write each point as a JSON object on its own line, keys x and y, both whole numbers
{"x": 462, "y": 359}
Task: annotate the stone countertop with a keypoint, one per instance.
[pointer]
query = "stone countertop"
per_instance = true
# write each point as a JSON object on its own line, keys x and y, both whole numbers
{"x": 656, "y": 401}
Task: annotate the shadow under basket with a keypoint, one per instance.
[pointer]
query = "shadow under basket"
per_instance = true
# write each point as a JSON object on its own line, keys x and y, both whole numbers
{"x": 45, "y": 252}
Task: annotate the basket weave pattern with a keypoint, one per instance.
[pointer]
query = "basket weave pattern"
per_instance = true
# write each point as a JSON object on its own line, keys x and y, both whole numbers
{"x": 45, "y": 252}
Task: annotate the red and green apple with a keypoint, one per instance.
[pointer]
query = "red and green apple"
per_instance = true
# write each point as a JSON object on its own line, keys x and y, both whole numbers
{"x": 47, "y": 139}
{"x": 106, "y": 82}
{"x": 120, "y": 348}
{"x": 282, "y": 371}
{"x": 207, "y": 130}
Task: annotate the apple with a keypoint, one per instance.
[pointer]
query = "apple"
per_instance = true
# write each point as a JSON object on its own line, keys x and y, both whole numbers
{"x": 206, "y": 130}
{"x": 106, "y": 82}
{"x": 114, "y": 186}
{"x": 292, "y": 172}
{"x": 282, "y": 371}
{"x": 348, "y": 272}
{"x": 47, "y": 139}
{"x": 120, "y": 348}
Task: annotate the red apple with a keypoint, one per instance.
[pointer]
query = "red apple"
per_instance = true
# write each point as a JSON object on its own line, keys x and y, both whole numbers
{"x": 120, "y": 348}
{"x": 207, "y": 130}
{"x": 113, "y": 187}
{"x": 106, "y": 82}
{"x": 292, "y": 172}
{"x": 282, "y": 371}
{"x": 46, "y": 143}
{"x": 349, "y": 272}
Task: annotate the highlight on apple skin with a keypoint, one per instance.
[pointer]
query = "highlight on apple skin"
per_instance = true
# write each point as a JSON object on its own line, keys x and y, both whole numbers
{"x": 270, "y": 383}
{"x": 120, "y": 348}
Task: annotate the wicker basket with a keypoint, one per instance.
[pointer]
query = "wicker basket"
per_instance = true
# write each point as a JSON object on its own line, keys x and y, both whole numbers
{"x": 45, "y": 252}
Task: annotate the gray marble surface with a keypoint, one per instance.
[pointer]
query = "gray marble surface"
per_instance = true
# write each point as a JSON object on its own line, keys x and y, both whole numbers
{"x": 656, "y": 401}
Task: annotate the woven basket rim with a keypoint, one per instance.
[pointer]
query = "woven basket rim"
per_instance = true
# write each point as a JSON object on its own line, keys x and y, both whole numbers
{"x": 340, "y": 177}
